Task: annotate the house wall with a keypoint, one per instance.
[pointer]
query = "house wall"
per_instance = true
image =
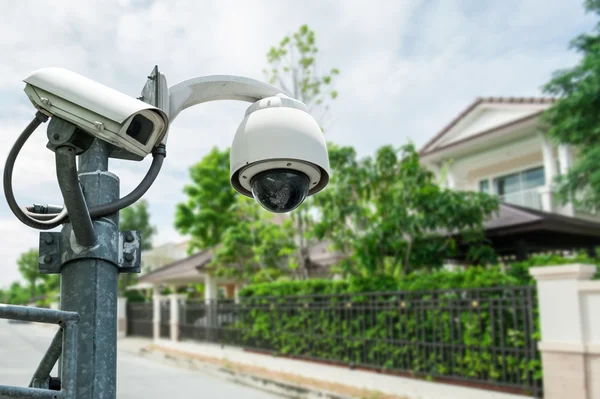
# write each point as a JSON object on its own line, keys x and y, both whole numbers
{"x": 466, "y": 171}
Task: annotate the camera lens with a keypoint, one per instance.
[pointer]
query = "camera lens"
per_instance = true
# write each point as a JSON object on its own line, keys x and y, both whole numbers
{"x": 280, "y": 190}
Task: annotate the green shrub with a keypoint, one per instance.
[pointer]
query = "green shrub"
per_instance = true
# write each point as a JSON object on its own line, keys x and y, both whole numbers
{"x": 396, "y": 328}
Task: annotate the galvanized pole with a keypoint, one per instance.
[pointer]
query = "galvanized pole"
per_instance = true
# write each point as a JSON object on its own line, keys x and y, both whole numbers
{"x": 89, "y": 284}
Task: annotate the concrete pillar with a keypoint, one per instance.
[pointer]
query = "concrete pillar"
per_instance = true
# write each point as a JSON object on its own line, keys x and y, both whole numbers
{"x": 174, "y": 301}
{"x": 549, "y": 172}
{"x": 562, "y": 323}
{"x": 211, "y": 295}
{"x": 236, "y": 294}
{"x": 121, "y": 317}
{"x": 156, "y": 312}
{"x": 565, "y": 161}
{"x": 450, "y": 178}
{"x": 211, "y": 288}
{"x": 590, "y": 303}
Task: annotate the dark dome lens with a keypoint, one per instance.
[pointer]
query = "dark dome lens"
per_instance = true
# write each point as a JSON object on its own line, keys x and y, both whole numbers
{"x": 280, "y": 190}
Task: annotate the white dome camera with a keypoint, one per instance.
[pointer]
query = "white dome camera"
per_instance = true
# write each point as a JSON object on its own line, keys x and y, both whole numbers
{"x": 133, "y": 126}
{"x": 279, "y": 154}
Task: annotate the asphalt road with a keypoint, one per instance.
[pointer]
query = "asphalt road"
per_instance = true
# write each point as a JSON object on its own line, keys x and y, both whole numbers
{"x": 22, "y": 347}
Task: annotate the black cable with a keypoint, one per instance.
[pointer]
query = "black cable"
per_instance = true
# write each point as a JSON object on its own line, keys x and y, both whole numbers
{"x": 8, "y": 171}
{"x": 159, "y": 153}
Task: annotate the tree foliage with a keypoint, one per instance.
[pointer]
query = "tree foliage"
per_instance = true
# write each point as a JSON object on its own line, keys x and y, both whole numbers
{"x": 293, "y": 67}
{"x": 28, "y": 267}
{"x": 255, "y": 248}
{"x": 137, "y": 217}
{"x": 388, "y": 215}
{"x": 574, "y": 119}
{"x": 207, "y": 212}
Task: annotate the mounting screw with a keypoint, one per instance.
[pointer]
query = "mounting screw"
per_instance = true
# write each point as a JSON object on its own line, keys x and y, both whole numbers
{"x": 56, "y": 136}
{"x": 48, "y": 240}
{"x": 47, "y": 258}
{"x": 129, "y": 238}
{"x": 128, "y": 257}
{"x": 45, "y": 101}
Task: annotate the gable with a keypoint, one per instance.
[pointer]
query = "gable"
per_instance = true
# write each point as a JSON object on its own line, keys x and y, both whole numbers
{"x": 486, "y": 115}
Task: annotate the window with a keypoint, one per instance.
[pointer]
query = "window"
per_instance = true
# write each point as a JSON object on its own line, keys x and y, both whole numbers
{"x": 521, "y": 181}
{"x": 520, "y": 188}
{"x": 484, "y": 186}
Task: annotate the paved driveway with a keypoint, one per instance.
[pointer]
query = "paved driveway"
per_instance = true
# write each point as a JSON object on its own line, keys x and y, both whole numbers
{"x": 22, "y": 347}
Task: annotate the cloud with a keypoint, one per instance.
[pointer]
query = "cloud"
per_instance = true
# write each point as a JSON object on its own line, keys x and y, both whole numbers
{"x": 407, "y": 68}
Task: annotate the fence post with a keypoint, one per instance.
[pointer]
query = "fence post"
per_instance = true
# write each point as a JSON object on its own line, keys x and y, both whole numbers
{"x": 121, "y": 317}
{"x": 211, "y": 295}
{"x": 563, "y": 346}
{"x": 156, "y": 313}
{"x": 174, "y": 322}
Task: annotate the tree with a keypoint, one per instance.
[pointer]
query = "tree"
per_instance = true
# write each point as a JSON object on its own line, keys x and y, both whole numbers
{"x": 215, "y": 214}
{"x": 28, "y": 267}
{"x": 388, "y": 215}
{"x": 137, "y": 217}
{"x": 17, "y": 294}
{"x": 293, "y": 67}
{"x": 208, "y": 211}
{"x": 574, "y": 119}
{"x": 255, "y": 248}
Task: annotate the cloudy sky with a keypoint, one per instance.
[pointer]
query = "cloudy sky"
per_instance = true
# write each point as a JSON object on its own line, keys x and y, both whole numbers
{"x": 407, "y": 67}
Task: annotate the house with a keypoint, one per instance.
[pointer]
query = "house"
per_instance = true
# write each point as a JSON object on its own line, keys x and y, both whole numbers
{"x": 498, "y": 145}
{"x": 163, "y": 255}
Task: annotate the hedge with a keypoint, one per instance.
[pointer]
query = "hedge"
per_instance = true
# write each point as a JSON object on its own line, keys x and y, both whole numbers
{"x": 399, "y": 328}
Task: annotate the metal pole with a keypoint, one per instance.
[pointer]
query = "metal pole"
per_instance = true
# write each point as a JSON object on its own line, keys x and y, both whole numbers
{"x": 89, "y": 285}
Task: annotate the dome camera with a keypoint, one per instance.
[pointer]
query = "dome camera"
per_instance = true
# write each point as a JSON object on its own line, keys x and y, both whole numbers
{"x": 279, "y": 155}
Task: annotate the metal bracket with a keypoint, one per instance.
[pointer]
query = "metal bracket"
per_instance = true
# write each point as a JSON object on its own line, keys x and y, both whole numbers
{"x": 123, "y": 250}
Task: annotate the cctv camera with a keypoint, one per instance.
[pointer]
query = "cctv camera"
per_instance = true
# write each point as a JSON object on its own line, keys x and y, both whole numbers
{"x": 132, "y": 126}
{"x": 279, "y": 154}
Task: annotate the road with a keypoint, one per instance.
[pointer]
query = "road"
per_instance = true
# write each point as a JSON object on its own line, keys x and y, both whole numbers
{"x": 22, "y": 347}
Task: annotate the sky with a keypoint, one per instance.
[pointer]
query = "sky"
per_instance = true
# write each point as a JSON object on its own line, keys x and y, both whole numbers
{"x": 407, "y": 68}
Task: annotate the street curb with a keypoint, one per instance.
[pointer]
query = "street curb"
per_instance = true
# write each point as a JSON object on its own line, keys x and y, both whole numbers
{"x": 271, "y": 385}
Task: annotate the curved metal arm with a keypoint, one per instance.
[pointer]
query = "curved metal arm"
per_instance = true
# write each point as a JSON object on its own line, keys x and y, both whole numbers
{"x": 217, "y": 87}
{"x": 68, "y": 181}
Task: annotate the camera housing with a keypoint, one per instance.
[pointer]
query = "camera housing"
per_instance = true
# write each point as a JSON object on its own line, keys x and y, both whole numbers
{"x": 279, "y": 154}
{"x": 132, "y": 126}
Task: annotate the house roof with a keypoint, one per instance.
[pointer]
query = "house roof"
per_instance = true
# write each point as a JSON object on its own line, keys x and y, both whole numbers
{"x": 191, "y": 269}
{"x": 512, "y": 219}
{"x": 514, "y": 229}
{"x": 428, "y": 147}
{"x": 183, "y": 270}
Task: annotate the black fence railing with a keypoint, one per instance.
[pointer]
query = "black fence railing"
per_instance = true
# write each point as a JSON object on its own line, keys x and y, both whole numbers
{"x": 139, "y": 319}
{"x": 480, "y": 337}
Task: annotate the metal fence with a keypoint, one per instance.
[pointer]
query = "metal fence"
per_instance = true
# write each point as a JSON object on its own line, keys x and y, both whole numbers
{"x": 479, "y": 337}
{"x": 139, "y": 319}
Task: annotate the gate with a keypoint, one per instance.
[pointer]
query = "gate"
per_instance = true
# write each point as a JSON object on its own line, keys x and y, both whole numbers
{"x": 139, "y": 319}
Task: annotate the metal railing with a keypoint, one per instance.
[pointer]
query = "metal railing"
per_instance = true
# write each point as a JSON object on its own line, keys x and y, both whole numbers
{"x": 43, "y": 385}
{"x": 481, "y": 336}
{"x": 527, "y": 198}
{"x": 139, "y": 319}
